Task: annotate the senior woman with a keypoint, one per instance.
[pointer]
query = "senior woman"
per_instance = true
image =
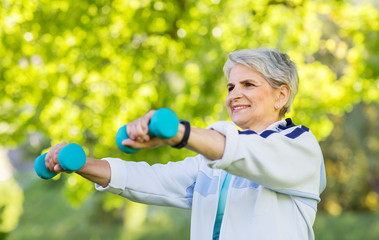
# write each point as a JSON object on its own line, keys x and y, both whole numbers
{"x": 259, "y": 181}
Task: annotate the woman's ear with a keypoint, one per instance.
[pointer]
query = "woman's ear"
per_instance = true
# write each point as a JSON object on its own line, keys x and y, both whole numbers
{"x": 283, "y": 94}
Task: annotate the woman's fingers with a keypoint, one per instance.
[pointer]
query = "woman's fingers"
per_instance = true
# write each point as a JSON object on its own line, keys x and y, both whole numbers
{"x": 153, "y": 142}
{"x": 59, "y": 169}
{"x": 51, "y": 159}
{"x": 138, "y": 129}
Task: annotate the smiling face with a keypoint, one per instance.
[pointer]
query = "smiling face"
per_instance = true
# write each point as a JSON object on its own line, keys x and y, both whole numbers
{"x": 251, "y": 99}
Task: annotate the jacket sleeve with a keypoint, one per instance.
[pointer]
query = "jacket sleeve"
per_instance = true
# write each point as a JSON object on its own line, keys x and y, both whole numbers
{"x": 287, "y": 161}
{"x": 168, "y": 184}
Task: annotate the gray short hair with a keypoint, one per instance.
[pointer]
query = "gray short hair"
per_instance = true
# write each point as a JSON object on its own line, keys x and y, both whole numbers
{"x": 276, "y": 67}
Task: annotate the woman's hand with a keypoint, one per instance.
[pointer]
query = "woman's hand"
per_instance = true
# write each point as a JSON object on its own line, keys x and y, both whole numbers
{"x": 95, "y": 170}
{"x": 51, "y": 159}
{"x": 138, "y": 132}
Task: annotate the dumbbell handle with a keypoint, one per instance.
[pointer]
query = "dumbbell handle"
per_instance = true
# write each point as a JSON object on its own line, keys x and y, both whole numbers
{"x": 163, "y": 124}
{"x": 71, "y": 158}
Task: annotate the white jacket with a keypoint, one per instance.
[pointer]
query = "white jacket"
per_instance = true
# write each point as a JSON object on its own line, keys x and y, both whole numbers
{"x": 278, "y": 176}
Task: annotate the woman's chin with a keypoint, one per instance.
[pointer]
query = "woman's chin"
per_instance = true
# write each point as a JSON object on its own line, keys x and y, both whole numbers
{"x": 240, "y": 123}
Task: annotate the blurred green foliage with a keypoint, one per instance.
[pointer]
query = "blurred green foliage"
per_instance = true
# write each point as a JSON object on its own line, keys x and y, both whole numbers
{"x": 11, "y": 197}
{"x": 78, "y": 70}
{"x": 352, "y": 151}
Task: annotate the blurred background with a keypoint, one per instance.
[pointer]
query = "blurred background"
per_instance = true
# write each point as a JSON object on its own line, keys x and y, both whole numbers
{"x": 76, "y": 71}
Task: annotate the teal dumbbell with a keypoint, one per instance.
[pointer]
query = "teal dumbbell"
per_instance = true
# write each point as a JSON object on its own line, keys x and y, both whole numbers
{"x": 71, "y": 158}
{"x": 163, "y": 124}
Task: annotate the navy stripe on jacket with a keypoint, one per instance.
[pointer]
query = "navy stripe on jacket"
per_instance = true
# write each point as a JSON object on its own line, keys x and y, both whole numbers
{"x": 298, "y": 130}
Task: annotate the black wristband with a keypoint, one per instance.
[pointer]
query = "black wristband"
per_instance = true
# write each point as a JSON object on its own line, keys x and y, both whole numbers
{"x": 187, "y": 129}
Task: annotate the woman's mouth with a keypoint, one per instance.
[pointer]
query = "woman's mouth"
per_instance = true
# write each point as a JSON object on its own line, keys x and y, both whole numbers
{"x": 239, "y": 108}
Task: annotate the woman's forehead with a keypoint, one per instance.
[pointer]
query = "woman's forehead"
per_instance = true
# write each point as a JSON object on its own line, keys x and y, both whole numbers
{"x": 240, "y": 73}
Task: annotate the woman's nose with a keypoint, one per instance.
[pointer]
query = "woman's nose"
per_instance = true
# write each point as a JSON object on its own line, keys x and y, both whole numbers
{"x": 235, "y": 94}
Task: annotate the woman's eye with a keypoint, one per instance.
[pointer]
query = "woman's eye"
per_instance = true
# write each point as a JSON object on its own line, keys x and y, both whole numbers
{"x": 249, "y": 85}
{"x": 230, "y": 89}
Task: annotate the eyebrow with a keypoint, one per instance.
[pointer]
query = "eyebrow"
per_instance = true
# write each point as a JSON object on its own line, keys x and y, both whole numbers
{"x": 243, "y": 81}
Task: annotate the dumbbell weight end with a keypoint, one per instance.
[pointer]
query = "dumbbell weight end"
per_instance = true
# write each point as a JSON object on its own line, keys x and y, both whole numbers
{"x": 40, "y": 168}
